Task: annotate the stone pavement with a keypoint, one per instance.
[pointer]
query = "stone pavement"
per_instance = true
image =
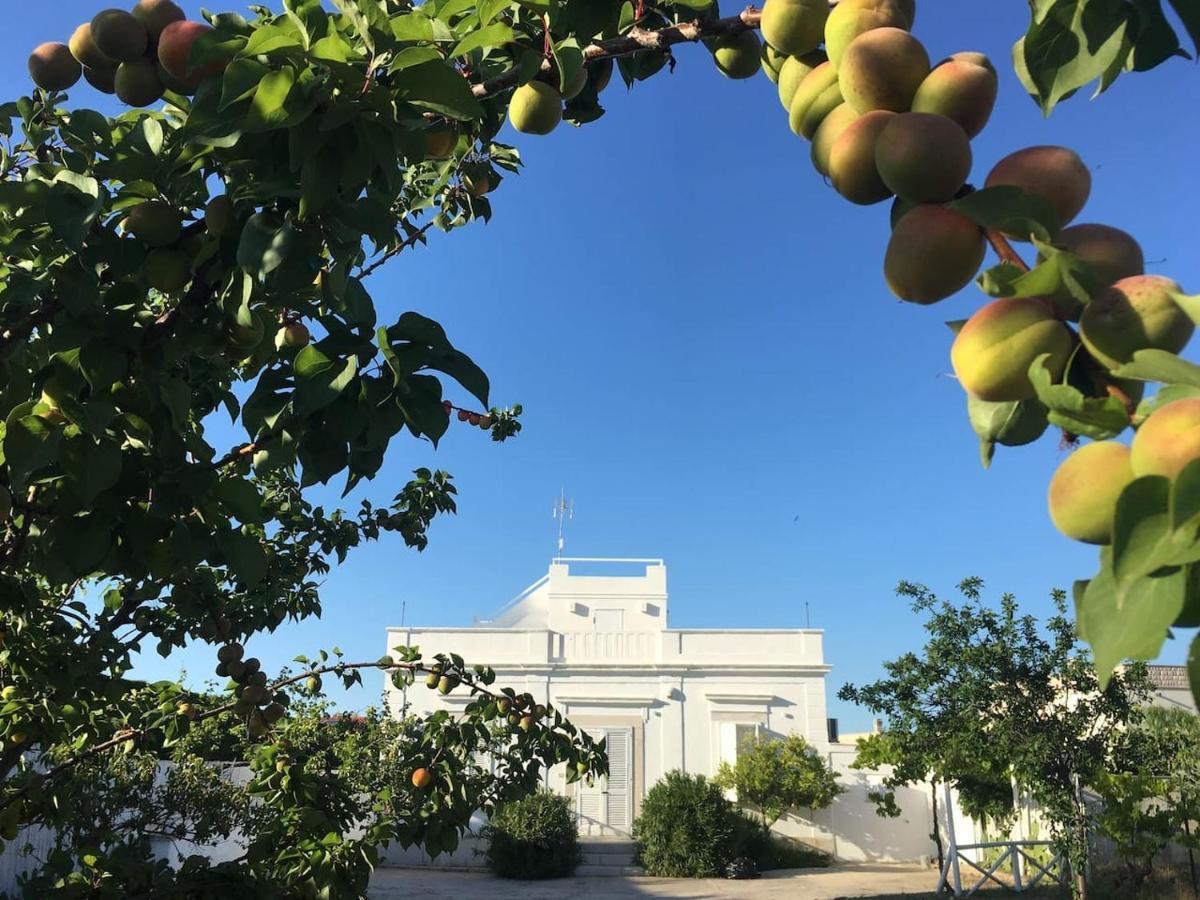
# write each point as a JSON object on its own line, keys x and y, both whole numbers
{"x": 846, "y": 880}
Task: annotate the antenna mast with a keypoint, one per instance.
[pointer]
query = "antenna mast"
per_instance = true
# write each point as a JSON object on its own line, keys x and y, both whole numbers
{"x": 564, "y": 509}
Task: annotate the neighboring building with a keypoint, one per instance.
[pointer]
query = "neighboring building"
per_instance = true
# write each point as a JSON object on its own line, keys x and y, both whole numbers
{"x": 591, "y": 638}
{"x": 1171, "y": 687}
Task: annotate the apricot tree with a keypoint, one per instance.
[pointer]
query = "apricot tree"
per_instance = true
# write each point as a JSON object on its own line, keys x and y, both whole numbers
{"x": 209, "y": 252}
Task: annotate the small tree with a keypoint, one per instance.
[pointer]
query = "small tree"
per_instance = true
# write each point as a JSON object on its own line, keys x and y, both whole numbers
{"x": 997, "y": 697}
{"x": 777, "y": 775}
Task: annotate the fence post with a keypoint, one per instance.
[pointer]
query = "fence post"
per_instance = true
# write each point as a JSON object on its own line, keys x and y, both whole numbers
{"x": 1016, "y": 858}
{"x": 953, "y": 837}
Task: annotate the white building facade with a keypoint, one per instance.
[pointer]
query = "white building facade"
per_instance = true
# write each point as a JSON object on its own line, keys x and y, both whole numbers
{"x": 592, "y": 638}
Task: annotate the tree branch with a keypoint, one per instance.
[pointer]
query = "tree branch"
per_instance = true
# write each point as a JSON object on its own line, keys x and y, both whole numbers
{"x": 637, "y": 40}
{"x": 1005, "y": 250}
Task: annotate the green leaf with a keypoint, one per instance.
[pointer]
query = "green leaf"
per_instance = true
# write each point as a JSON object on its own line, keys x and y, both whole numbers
{"x": 1189, "y": 13}
{"x": 1134, "y": 629}
{"x": 492, "y": 36}
{"x": 1095, "y": 417}
{"x": 267, "y": 109}
{"x": 241, "y": 79}
{"x": 438, "y": 86}
{"x": 1160, "y": 365}
{"x": 244, "y": 555}
{"x": 1071, "y": 43}
{"x": 264, "y": 244}
{"x": 1155, "y": 40}
{"x": 569, "y": 60}
{"x": 91, "y": 468}
{"x": 1009, "y": 209}
{"x": 319, "y": 379}
{"x": 1141, "y": 528}
{"x": 241, "y": 498}
{"x": 272, "y": 37}
{"x": 29, "y": 443}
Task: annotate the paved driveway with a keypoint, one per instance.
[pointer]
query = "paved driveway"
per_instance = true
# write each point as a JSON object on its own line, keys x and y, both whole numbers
{"x": 850, "y": 880}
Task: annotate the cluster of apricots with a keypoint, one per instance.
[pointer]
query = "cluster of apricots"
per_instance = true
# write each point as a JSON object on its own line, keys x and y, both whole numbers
{"x": 136, "y": 55}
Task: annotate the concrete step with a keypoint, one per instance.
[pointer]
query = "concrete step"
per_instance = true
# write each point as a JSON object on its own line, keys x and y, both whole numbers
{"x": 593, "y": 871}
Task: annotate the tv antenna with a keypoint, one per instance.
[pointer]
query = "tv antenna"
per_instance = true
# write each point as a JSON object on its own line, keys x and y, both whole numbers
{"x": 564, "y": 509}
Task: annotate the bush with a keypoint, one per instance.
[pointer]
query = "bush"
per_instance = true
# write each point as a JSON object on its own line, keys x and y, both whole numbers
{"x": 773, "y": 851}
{"x": 534, "y": 837}
{"x": 686, "y": 829}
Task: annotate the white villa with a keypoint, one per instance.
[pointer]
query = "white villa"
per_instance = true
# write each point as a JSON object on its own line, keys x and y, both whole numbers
{"x": 592, "y": 638}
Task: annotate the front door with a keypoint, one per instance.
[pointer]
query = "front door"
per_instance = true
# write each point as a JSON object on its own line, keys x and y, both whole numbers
{"x": 605, "y": 807}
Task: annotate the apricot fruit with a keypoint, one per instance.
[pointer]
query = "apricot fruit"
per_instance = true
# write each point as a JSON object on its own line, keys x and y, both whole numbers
{"x": 771, "y": 61}
{"x": 793, "y": 71}
{"x": 962, "y": 88}
{"x": 830, "y": 130}
{"x": 422, "y": 778}
{"x": 1056, "y": 174}
{"x": 817, "y": 95}
{"x": 155, "y": 222}
{"x": 882, "y": 69}
{"x": 737, "y": 55}
{"x": 136, "y": 83}
{"x": 993, "y": 351}
{"x": 852, "y": 167}
{"x": 155, "y": 15}
{"x": 1168, "y": 440}
{"x": 174, "y": 53}
{"x": 933, "y": 252}
{"x": 1110, "y": 253}
{"x": 119, "y": 36}
{"x": 1135, "y": 313}
{"x": 53, "y": 68}
{"x": 535, "y": 108}
{"x": 168, "y": 270}
{"x": 1084, "y": 490}
{"x": 83, "y": 48}
{"x": 794, "y": 27}
{"x": 923, "y": 157}
{"x": 850, "y": 18}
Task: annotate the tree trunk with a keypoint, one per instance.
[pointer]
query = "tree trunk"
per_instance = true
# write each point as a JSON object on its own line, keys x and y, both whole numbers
{"x": 937, "y": 828}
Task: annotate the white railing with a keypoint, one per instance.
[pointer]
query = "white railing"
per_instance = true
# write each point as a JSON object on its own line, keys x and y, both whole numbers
{"x": 609, "y": 645}
{"x": 1015, "y": 853}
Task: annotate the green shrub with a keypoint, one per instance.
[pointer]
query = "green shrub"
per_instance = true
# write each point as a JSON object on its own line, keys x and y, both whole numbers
{"x": 686, "y": 829}
{"x": 534, "y": 837}
{"x": 773, "y": 851}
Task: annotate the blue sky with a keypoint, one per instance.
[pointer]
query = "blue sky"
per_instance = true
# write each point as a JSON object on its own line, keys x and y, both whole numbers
{"x": 700, "y": 333}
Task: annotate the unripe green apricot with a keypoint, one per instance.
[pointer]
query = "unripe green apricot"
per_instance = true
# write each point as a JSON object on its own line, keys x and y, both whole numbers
{"x": 794, "y": 26}
{"x": 600, "y": 73}
{"x": 103, "y": 80}
{"x": 923, "y": 157}
{"x": 1110, "y": 253}
{"x": 119, "y": 36}
{"x": 852, "y": 159}
{"x": 155, "y": 222}
{"x": 83, "y": 48}
{"x": 933, "y": 252}
{"x": 850, "y": 18}
{"x": 962, "y": 88}
{"x": 577, "y": 83}
{"x": 793, "y": 71}
{"x": 292, "y": 336}
{"x": 1056, "y": 174}
{"x": 168, "y": 270}
{"x": 817, "y": 95}
{"x": 53, "y": 68}
{"x": 771, "y": 61}
{"x": 535, "y": 108}
{"x": 1136, "y": 313}
{"x": 828, "y": 132}
{"x": 218, "y": 215}
{"x": 1084, "y": 490}
{"x": 995, "y": 348}
{"x": 1168, "y": 440}
{"x": 737, "y": 55}
{"x": 156, "y": 15}
{"x": 901, "y": 208}
{"x": 882, "y": 69}
{"x": 440, "y": 142}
